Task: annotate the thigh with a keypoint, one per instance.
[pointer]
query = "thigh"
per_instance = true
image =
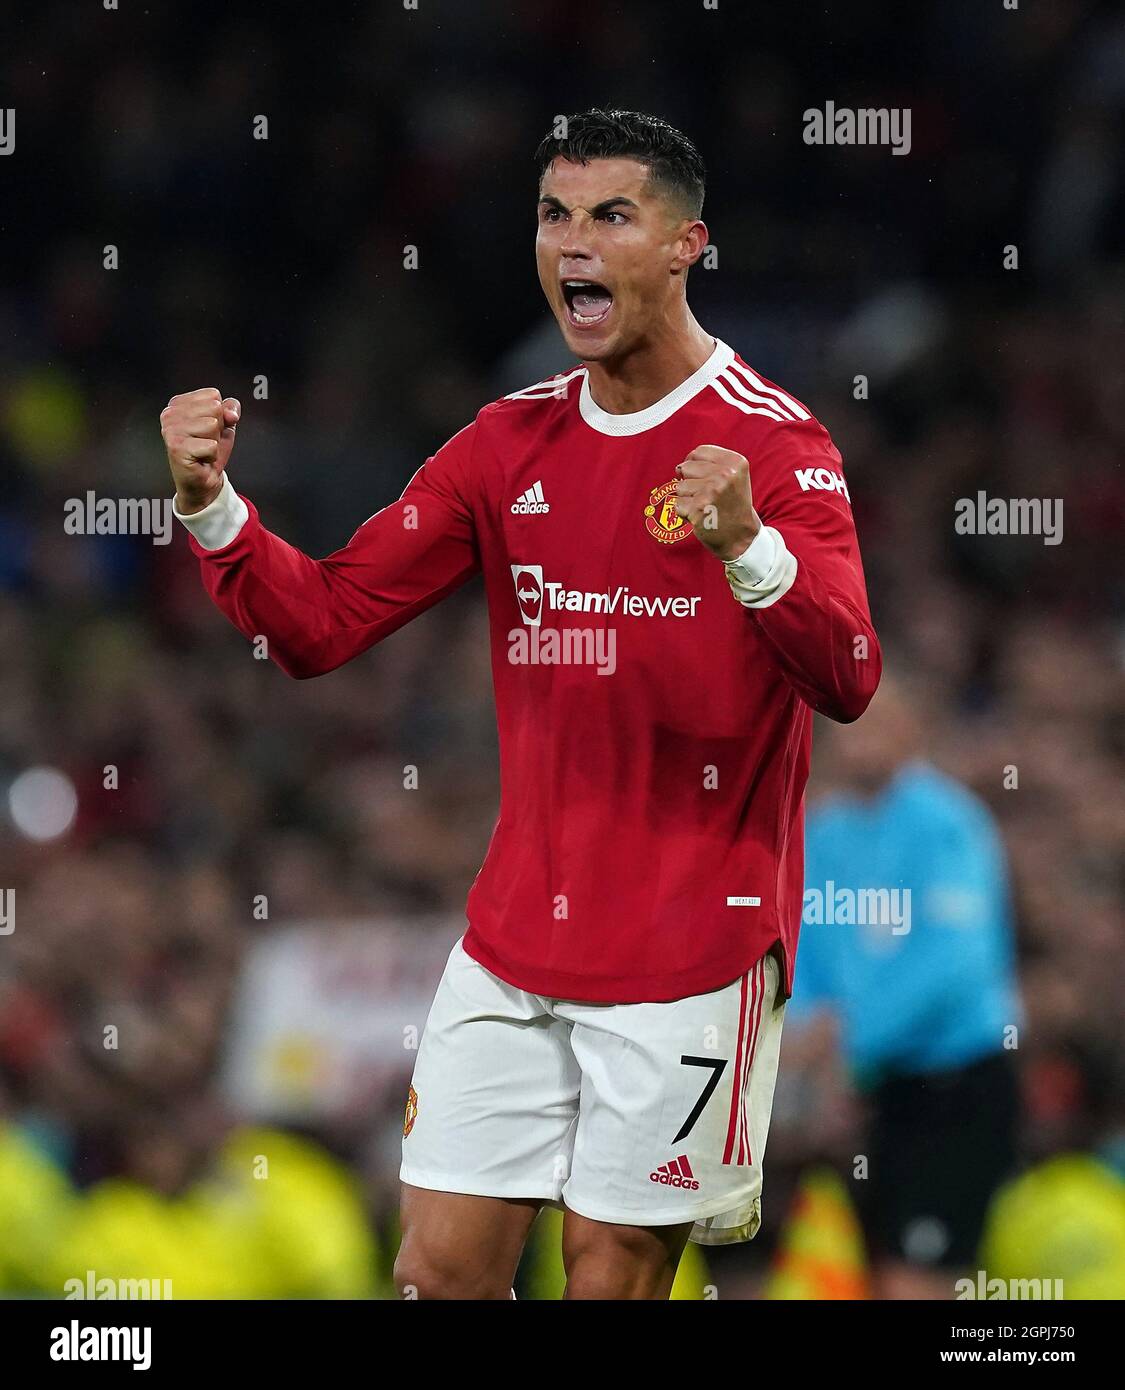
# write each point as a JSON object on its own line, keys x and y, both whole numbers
{"x": 609, "y": 1261}
{"x": 674, "y": 1108}
{"x": 459, "y": 1246}
{"x": 493, "y": 1101}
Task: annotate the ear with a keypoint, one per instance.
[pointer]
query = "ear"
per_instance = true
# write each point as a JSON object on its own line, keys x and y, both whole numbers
{"x": 692, "y": 242}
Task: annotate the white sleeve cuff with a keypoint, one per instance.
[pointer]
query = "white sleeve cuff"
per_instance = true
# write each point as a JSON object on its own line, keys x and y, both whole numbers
{"x": 220, "y": 521}
{"x": 764, "y": 572}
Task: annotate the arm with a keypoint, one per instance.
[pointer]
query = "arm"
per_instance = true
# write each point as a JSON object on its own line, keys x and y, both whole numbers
{"x": 318, "y": 614}
{"x": 792, "y": 560}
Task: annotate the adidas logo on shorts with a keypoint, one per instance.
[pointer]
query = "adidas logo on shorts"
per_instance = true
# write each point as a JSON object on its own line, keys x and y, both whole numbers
{"x": 675, "y": 1174}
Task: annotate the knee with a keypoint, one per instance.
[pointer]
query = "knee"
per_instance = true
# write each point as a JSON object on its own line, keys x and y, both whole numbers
{"x": 617, "y": 1270}
{"x": 589, "y": 1277}
{"x": 593, "y": 1276}
{"x": 433, "y": 1273}
{"x": 606, "y": 1261}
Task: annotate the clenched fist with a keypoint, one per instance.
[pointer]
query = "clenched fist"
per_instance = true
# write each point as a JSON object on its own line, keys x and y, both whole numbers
{"x": 713, "y": 493}
{"x": 198, "y": 432}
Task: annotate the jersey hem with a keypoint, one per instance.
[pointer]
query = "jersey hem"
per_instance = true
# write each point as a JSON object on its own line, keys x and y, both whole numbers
{"x": 608, "y": 989}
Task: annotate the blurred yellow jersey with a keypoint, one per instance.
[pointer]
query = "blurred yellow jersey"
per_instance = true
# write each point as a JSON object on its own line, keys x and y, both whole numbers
{"x": 1064, "y": 1220}
{"x": 276, "y": 1217}
{"x": 301, "y": 1213}
{"x": 36, "y": 1200}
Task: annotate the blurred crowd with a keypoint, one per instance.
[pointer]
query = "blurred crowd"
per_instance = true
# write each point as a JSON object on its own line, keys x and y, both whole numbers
{"x": 274, "y": 269}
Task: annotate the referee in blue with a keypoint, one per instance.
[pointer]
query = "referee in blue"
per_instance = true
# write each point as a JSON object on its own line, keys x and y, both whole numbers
{"x": 907, "y": 943}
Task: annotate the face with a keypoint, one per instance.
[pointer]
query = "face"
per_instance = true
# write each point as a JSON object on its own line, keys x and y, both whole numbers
{"x": 612, "y": 253}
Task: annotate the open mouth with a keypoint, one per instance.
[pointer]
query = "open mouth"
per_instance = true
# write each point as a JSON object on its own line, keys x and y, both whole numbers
{"x": 587, "y": 302}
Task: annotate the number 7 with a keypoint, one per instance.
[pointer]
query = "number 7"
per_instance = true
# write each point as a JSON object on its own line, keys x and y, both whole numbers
{"x": 718, "y": 1066}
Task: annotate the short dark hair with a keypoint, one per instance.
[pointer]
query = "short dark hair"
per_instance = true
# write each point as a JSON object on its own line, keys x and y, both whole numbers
{"x": 673, "y": 160}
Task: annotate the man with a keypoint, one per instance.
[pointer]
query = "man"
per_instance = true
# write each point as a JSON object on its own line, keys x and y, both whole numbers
{"x": 907, "y": 944}
{"x": 606, "y": 1033}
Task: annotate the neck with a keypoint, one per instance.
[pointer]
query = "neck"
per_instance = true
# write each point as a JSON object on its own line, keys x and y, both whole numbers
{"x": 652, "y": 368}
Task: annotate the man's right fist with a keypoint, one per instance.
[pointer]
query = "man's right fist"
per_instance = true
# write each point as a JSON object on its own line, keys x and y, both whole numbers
{"x": 198, "y": 432}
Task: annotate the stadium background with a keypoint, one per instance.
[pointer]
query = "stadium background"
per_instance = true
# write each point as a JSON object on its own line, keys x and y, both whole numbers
{"x": 284, "y": 259}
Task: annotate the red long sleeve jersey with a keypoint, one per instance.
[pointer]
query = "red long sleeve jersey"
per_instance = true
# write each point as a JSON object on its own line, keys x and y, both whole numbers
{"x": 654, "y": 732}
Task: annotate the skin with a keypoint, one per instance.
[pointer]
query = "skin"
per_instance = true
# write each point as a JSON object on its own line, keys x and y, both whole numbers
{"x": 456, "y": 1246}
{"x": 607, "y": 221}
{"x": 604, "y": 221}
{"x": 198, "y": 432}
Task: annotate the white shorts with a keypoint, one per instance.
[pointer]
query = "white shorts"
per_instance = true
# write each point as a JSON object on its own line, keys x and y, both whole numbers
{"x": 637, "y": 1114}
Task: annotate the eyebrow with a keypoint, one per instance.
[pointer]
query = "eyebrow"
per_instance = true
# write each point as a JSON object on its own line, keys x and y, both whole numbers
{"x": 605, "y": 206}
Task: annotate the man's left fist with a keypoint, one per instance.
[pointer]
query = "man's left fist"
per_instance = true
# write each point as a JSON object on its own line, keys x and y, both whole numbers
{"x": 713, "y": 493}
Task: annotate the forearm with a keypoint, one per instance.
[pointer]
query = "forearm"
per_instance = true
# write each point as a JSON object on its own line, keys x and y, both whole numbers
{"x": 824, "y": 641}
{"x": 317, "y": 614}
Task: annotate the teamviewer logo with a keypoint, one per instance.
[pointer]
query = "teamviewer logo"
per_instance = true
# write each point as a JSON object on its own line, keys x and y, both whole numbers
{"x": 528, "y": 580}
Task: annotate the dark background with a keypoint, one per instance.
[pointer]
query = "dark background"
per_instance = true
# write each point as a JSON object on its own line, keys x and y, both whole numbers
{"x": 283, "y": 258}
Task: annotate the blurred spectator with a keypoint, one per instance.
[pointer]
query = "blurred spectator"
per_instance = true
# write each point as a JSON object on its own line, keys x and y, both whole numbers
{"x": 204, "y": 781}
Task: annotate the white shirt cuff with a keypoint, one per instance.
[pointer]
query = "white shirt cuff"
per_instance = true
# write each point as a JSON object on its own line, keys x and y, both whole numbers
{"x": 220, "y": 521}
{"x": 764, "y": 572}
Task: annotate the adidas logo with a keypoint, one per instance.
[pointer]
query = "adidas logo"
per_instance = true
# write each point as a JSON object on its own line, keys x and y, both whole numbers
{"x": 675, "y": 1174}
{"x": 531, "y": 503}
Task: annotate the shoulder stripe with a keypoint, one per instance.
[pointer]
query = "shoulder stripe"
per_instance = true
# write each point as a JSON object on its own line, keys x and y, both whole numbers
{"x": 544, "y": 390}
{"x": 739, "y": 387}
{"x": 788, "y": 405}
{"x": 721, "y": 384}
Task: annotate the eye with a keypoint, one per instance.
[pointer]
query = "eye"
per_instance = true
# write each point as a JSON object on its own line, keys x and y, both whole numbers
{"x": 607, "y": 215}
{"x": 551, "y": 214}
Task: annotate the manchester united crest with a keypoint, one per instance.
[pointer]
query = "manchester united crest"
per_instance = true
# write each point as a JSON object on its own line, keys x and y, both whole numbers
{"x": 661, "y": 518}
{"x": 411, "y": 1112}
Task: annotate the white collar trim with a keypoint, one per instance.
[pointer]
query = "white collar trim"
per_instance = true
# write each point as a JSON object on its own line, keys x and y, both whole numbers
{"x": 661, "y": 410}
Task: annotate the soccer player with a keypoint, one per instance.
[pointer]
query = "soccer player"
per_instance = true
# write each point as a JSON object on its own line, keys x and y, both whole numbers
{"x": 674, "y": 586}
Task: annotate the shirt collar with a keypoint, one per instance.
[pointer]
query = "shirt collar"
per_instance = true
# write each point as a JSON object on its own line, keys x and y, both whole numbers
{"x": 661, "y": 410}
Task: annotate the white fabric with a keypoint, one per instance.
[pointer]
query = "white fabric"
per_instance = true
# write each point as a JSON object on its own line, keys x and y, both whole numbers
{"x": 580, "y": 1104}
{"x": 764, "y": 572}
{"x": 756, "y": 561}
{"x": 640, "y": 420}
{"x": 220, "y": 521}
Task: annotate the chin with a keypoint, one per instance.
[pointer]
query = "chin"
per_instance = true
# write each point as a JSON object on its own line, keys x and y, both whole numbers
{"x": 589, "y": 347}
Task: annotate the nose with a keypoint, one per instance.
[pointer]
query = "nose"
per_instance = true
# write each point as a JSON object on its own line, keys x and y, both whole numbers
{"x": 576, "y": 240}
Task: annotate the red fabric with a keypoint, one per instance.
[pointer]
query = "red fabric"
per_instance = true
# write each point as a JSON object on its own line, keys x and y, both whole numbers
{"x": 610, "y": 865}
